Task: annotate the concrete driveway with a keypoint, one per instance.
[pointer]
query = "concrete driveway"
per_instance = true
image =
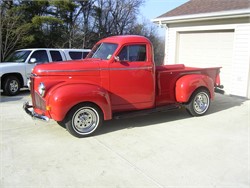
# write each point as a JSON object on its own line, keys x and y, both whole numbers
{"x": 168, "y": 149}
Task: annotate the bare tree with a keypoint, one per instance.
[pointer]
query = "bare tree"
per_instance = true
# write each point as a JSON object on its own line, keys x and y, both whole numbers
{"x": 149, "y": 30}
{"x": 87, "y": 27}
{"x": 116, "y": 17}
{"x": 69, "y": 23}
{"x": 12, "y": 31}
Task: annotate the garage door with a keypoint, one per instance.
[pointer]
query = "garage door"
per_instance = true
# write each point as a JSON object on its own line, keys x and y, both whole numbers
{"x": 208, "y": 49}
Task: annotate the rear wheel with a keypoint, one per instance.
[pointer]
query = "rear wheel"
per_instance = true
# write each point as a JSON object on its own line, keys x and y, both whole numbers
{"x": 199, "y": 102}
{"x": 83, "y": 120}
{"x": 11, "y": 86}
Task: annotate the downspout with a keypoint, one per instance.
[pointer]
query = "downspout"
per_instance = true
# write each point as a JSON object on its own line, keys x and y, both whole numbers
{"x": 166, "y": 41}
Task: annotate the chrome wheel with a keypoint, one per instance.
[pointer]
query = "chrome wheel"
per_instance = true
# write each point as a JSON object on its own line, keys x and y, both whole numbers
{"x": 201, "y": 103}
{"x": 83, "y": 119}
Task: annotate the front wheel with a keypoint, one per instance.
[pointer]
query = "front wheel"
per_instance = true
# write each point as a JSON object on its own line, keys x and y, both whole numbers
{"x": 83, "y": 120}
{"x": 199, "y": 102}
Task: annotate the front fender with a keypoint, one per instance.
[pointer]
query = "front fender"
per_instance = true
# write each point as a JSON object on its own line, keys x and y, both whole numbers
{"x": 187, "y": 84}
{"x": 61, "y": 99}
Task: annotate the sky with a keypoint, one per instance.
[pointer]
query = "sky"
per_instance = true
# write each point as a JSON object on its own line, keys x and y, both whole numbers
{"x": 154, "y": 8}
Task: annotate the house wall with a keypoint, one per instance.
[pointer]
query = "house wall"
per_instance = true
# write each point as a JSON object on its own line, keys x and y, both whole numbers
{"x": 241, "y": 61}
{"x": 240, "y": 73}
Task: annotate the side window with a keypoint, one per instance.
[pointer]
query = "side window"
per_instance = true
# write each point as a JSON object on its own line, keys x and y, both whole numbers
{"x": 39, "y": 56}
{"x": 85, "y": 54}
{"x": 133, "y": 53}
{"x": 75, "y": 55}
{"x": 123, "y": 55}
{"x": 56, "y": 56}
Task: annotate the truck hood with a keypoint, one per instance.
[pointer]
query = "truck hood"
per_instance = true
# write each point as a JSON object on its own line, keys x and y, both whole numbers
{"x": 90, "y": 67}
{"x": 9, "y": 67}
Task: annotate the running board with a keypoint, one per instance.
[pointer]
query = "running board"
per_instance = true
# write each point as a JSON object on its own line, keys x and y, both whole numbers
{"x": 131, "y": 114}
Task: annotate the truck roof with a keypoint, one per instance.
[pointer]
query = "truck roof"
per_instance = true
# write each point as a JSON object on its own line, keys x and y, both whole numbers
{"x": 126, "y": 39}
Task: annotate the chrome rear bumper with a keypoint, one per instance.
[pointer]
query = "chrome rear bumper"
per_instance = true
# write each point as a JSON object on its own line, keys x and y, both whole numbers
{"x": 34, "y": 115}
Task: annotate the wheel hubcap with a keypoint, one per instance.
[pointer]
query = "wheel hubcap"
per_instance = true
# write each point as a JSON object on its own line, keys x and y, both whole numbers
{"x": 85, "y": 120}
{"x": 201, "y": 103}
{"x": 13, "y": 86}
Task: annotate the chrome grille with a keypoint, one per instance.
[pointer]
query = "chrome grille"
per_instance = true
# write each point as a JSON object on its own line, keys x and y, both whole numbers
{"x": 31, "y": 85}
{"x": 39, "y": 101}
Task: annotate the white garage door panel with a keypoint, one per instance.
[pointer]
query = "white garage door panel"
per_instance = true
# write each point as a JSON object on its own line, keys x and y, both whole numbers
{"x": 208, "y": 49}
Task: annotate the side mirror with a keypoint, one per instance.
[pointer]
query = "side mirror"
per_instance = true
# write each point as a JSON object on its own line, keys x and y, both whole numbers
{"x": 32, "y": 60}
{"x": 117, "y": 59}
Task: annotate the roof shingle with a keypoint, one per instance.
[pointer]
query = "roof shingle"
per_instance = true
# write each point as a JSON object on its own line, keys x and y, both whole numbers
{"x": 207, "y": 6}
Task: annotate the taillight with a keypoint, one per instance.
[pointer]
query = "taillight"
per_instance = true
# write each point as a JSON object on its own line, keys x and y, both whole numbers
{"x": 217, "y": 80}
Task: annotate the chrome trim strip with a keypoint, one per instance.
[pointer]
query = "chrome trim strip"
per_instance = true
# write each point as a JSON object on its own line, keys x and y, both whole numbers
{"x": 100, "y": 69}
{"x": 87, "y": 70}
{"x": 132, "y": 68}
{"x": 188, "y": 73}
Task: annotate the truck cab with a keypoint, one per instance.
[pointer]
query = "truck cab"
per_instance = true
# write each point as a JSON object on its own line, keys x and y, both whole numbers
{"x": 117, "y": 77}
{"x": 131, "y": 71}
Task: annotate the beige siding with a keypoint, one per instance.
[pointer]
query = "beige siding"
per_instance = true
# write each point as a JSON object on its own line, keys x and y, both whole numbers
{"x": 241, "y": 60}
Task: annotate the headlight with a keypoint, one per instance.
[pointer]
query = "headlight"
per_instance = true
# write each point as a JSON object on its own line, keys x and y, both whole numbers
{"x": 41, "y": 89}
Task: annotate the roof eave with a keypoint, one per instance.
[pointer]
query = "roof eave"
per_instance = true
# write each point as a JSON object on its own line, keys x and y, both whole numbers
{"x": 203, "y": 16}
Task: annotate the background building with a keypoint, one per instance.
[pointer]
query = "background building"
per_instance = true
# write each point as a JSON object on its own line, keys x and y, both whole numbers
{"x": 207, "y": 33}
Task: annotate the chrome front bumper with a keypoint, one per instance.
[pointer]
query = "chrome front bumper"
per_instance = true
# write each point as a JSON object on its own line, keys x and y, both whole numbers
{"x": 34, "y": 115}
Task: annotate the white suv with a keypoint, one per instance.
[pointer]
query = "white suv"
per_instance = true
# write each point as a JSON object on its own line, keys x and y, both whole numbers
{"x": 16, "y": 69}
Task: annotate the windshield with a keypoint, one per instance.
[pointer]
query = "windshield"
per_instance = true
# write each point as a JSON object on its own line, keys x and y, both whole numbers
{"x": 18, "y": 56}
{"x": 103, "y": 51}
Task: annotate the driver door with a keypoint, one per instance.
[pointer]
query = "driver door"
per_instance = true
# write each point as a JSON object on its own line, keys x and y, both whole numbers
{"x": 132, "y": 84}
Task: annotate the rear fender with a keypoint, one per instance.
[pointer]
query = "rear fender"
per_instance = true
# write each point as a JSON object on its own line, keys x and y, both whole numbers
{"x": 187, "y": 84}
{"x": 61, "y": 99}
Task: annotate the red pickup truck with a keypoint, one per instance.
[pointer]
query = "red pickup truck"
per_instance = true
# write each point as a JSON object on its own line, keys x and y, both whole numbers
{"x": 118, "y": 78}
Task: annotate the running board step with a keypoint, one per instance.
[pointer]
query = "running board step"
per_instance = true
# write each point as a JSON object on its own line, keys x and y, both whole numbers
{"x": 131, "y": 114}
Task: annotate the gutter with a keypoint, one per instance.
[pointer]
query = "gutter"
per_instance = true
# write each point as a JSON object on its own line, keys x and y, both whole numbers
{"x": 204, "y": 16}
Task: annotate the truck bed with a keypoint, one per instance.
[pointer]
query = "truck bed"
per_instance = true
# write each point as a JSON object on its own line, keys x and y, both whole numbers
{"x": 167, "y": 75}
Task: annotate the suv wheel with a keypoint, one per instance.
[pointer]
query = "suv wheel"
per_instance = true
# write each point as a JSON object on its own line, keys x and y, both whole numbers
{"x": 11, "y": 86}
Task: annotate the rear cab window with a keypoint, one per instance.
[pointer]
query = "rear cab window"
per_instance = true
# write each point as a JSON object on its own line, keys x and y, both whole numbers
{"x": 85, "y": 54}
{"x": 56, "y": 55}
{"x": 75, "y": 55}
